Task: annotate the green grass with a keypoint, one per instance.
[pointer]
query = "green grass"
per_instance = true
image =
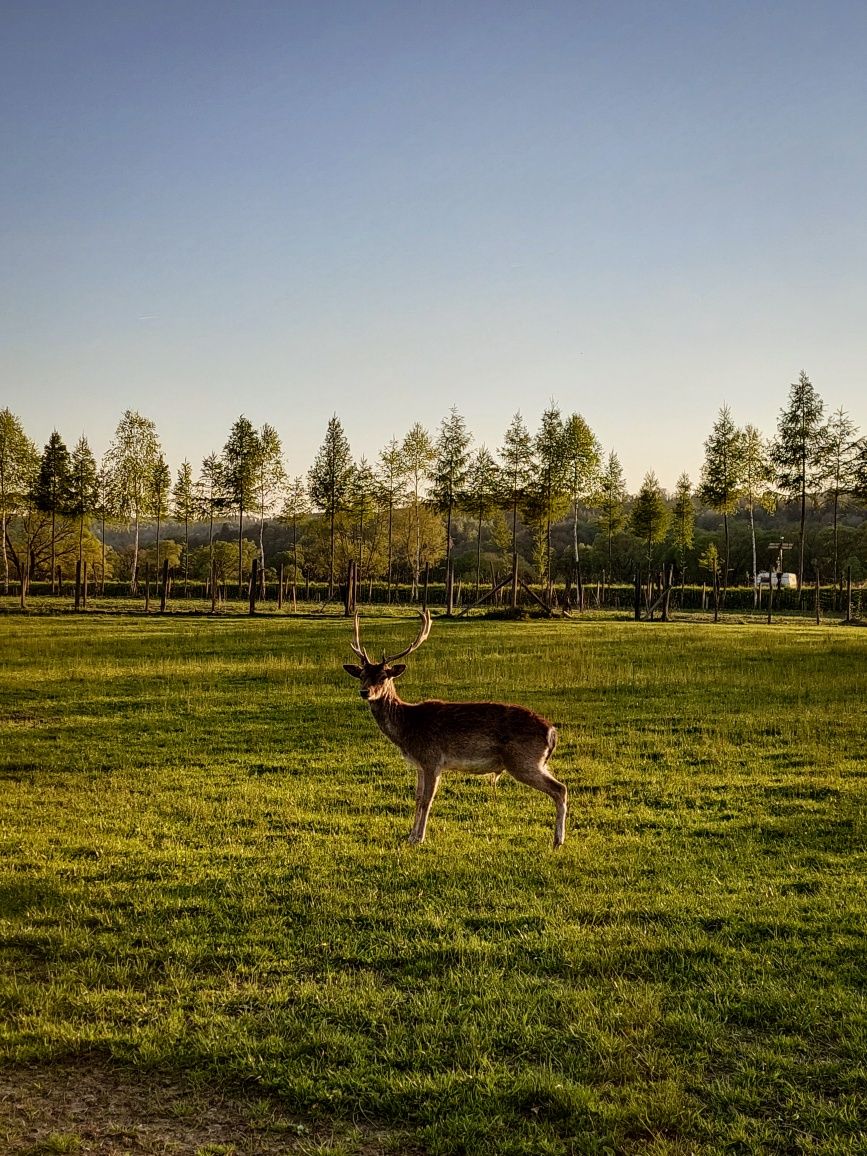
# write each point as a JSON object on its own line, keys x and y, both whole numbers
{"x": 203, "y": 870}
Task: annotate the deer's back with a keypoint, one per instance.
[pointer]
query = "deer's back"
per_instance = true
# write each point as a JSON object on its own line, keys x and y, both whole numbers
{"x": 474, "y": 735}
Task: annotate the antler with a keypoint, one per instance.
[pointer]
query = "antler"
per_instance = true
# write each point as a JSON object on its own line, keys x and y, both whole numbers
{"x": 424, "y": 631}
{"x": 356, "y": 647}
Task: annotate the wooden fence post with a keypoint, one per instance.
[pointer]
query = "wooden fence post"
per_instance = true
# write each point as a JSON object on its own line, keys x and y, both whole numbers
{"x": 349, "y": 595}
{"x": 818, "y": 601}
{"x": 254, "y": 577}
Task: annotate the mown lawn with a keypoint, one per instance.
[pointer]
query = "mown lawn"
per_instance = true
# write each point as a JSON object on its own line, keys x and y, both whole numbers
{"x": 203, "y": 873}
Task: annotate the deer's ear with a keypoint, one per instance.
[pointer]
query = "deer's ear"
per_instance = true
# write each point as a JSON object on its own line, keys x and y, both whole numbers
{"x": 397, "y": 670}
{"x": 355, "y": 671}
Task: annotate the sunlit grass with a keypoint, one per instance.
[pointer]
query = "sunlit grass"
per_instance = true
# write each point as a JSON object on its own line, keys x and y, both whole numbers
{"x": 203, "y": 868}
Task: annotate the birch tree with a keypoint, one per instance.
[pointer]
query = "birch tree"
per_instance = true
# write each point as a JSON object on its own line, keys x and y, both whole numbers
{"x": 418, "y": 455}
{"x": 482, "y": 490}
{"x": 19, "y": 460}
{"x": 516, "y": 479}
{"x": 131, "y": 458}
{"x": 582, "y": 455}
{"x": 270, "y": 480}
{"x": 239, "y": 464}
{"x": 184, "y": 508}
{"x": 550, "y": 488}
{"x": 391, "y": 480}
{"x": 683, "y": 524}
{"x": 841, "y": 449}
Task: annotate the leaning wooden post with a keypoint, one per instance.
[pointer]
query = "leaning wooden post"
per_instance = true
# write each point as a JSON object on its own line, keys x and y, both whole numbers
{"x": 78, "y": 584}
{"x": 350, "y": 589}
{"x": 165, "y": 586}
{"x": 254, "y": 576}
{"x": 818, "y": 600}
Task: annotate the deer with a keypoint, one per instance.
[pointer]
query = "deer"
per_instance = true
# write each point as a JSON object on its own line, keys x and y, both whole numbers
{"x": 483, "y": 738}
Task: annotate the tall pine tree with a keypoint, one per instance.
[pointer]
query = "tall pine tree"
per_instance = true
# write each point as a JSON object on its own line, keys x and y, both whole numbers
{"x": 330, "y": 482}
{"x": 799, "y": 452}
{"x": 722, "y": 477}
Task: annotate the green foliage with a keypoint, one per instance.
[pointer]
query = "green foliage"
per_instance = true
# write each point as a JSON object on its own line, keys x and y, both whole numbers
{"x": 650, "y": 516}
{"x": 516, "y": 470}
{"x": 419, "y": 455}
{"x": 203, "y": 874}
{"x": 330, "y": 481}
{"x": 683, "y": 519}
{"x": 51, "y": 490}
{"x": 799, "y": 452}
{"x": 449, "y": 469}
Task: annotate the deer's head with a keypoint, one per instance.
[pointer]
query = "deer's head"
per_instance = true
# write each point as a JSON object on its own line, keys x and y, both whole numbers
{"x": 376, "y": 677}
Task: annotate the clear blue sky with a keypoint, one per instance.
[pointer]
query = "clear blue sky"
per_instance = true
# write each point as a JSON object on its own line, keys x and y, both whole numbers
{"x": 642, "y": 210}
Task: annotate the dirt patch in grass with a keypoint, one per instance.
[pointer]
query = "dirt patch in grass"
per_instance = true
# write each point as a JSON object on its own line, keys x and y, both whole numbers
{"x": 103, "y": 1110}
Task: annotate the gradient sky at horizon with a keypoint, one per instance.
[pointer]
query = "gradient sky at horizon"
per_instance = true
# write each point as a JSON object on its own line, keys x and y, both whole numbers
{"x": 641, "y": 210}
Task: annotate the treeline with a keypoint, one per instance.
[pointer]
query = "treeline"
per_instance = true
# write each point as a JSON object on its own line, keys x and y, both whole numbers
{"x": 546, "y": 506}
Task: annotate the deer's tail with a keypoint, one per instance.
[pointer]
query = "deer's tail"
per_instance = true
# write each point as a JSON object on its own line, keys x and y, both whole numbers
{"x": 552, "y": 743}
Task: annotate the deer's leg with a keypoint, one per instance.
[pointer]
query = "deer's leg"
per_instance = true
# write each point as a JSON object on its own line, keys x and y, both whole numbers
{"x": 426, "y": 787}
{"x": 538, "y": 776}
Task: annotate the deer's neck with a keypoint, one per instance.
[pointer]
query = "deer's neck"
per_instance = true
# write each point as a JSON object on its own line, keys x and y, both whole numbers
{"x": 388, "y": 711}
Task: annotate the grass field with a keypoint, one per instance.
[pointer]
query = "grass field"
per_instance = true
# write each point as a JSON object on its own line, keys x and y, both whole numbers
{"x": 204, "y": 878}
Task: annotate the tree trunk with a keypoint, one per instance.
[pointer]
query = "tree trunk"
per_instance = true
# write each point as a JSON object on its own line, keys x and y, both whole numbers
{"x": 5, "y": 555}
{"x": 390, "y": 529}
{"x": 240, "y": 548}
{"x": 755, "y": 562}
{"x": 331, "y": 559}
{"x": 53, "y": 548}
{"x": 515, "y": 554}
{"x": 725, "y": 577}
{"x": 479, "y": 554}
{"x": 801, "y": 543}
{"x": 134, "y": 580}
